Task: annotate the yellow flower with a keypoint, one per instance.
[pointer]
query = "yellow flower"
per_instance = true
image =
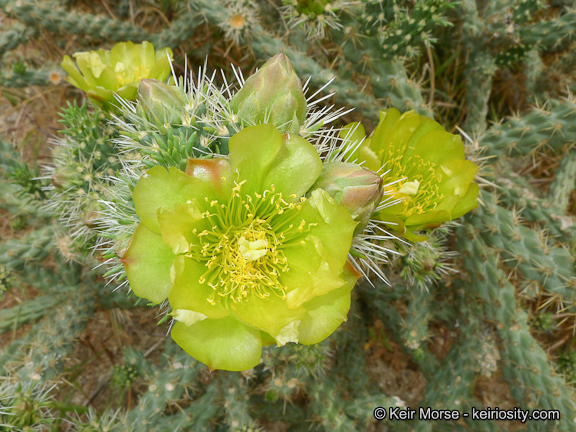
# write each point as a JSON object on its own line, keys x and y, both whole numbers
{"x": 103, "y": 73}
{"x": 428, "y": 180}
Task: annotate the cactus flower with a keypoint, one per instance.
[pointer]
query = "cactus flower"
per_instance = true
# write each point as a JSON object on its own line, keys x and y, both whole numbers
{"x": 357, "y": 189}
{"x": 272, "y": 95}
{"x": 103, "y": 73}
{"x": 241, "y": 255}
{"x": 160, "y": 103}
{"x": 425, "y": 170}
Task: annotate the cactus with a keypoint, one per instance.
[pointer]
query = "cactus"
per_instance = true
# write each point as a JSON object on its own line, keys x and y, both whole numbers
{"x": 487, "y": 298}
{"x": 538, "y": 386}
{"x": 31, "y": 77}
{"x": 532, "y": 206}
{"x": 57, "y": 20}
{"x": 564, "y": 182}
{"x": 32, "y": 310}
{"x": 549, "y": 126}
{"x": 550, "y": 267}
{"x": 13, "y": 37}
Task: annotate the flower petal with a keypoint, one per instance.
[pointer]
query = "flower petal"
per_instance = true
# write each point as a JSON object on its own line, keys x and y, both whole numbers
{"x": 147, "y": 262}
{"x": 160, "y": 189}
{"x": 76, "y": 78}
{"x": 270, "y": 314}
{"x": 84, "y": 62}
{"x": 215, "y": 175}
{"x": 263, "y": 157}
{"x": 327, "y": 312}
{"x": 252, "y": 151}
{"x": 312, "y": 272}
{"x": 388, "y": 119}
{"x": 353, "y": 133}
{"x": 107, "y": 79}
{"x": 334, "y": 226}
{"x": 438, "y": 146}
{"x": 316, "y": 265}
{"x": 122, "y": 52}
{"x": 295, "y": 168}
{"x": 462, "y": 173}
{"x": 467, "y": 202}
{"x": 418, "y": 221}
{"x": 161, "y": 68}
{"x": 178, "y": 223}
{"x": 426, "y": 126}
{"x": 188, "y": 293}
{"x": 147, "y": 55}
{"x": 128, "y": 92}
{"x": 100, "y": 94}
{"x": 225, "y": 343}
{"x": 396, "y": 135}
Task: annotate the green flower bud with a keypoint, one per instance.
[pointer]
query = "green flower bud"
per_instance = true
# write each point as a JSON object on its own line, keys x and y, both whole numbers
{"x": 272, "y": 95}
{"x": 354, "y": 187}
{"x": 160, "y": 103}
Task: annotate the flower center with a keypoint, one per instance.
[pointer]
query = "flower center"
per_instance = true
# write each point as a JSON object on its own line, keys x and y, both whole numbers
{"x": 243, "y": 250}
{"x": 126, "y": 75}
{"x": 419, "y": 190}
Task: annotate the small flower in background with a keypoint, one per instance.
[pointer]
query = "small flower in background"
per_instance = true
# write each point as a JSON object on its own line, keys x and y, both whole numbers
{"x": 102, "y": 73}
{"x": 428, "y": 180}
{"x": 243, "y": 257}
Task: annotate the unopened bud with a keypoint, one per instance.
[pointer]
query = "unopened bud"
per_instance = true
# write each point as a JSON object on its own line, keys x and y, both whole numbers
{"x": 160, "y": 103}
{"x": 357, "y": 189}
{"x": 272, "y": 95}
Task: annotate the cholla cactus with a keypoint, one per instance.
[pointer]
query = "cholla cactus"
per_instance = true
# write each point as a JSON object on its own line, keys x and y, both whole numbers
{"x": 82, "y": 161}
{"x": 238, "y": 214}
{"x": 315, "y": 15}
{"x": 6, "y": 280}
{"x": 109, "y": 421}
{"x": 210, "y": 115}
{"x": 424, "y": 264}
{"x": 24, "y": 406}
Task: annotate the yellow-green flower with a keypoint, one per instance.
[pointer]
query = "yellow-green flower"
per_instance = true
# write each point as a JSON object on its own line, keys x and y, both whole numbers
{"x": 103, "y": 73}
{"x": 242, "y": 256}
{"x": 426, "y": 173}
